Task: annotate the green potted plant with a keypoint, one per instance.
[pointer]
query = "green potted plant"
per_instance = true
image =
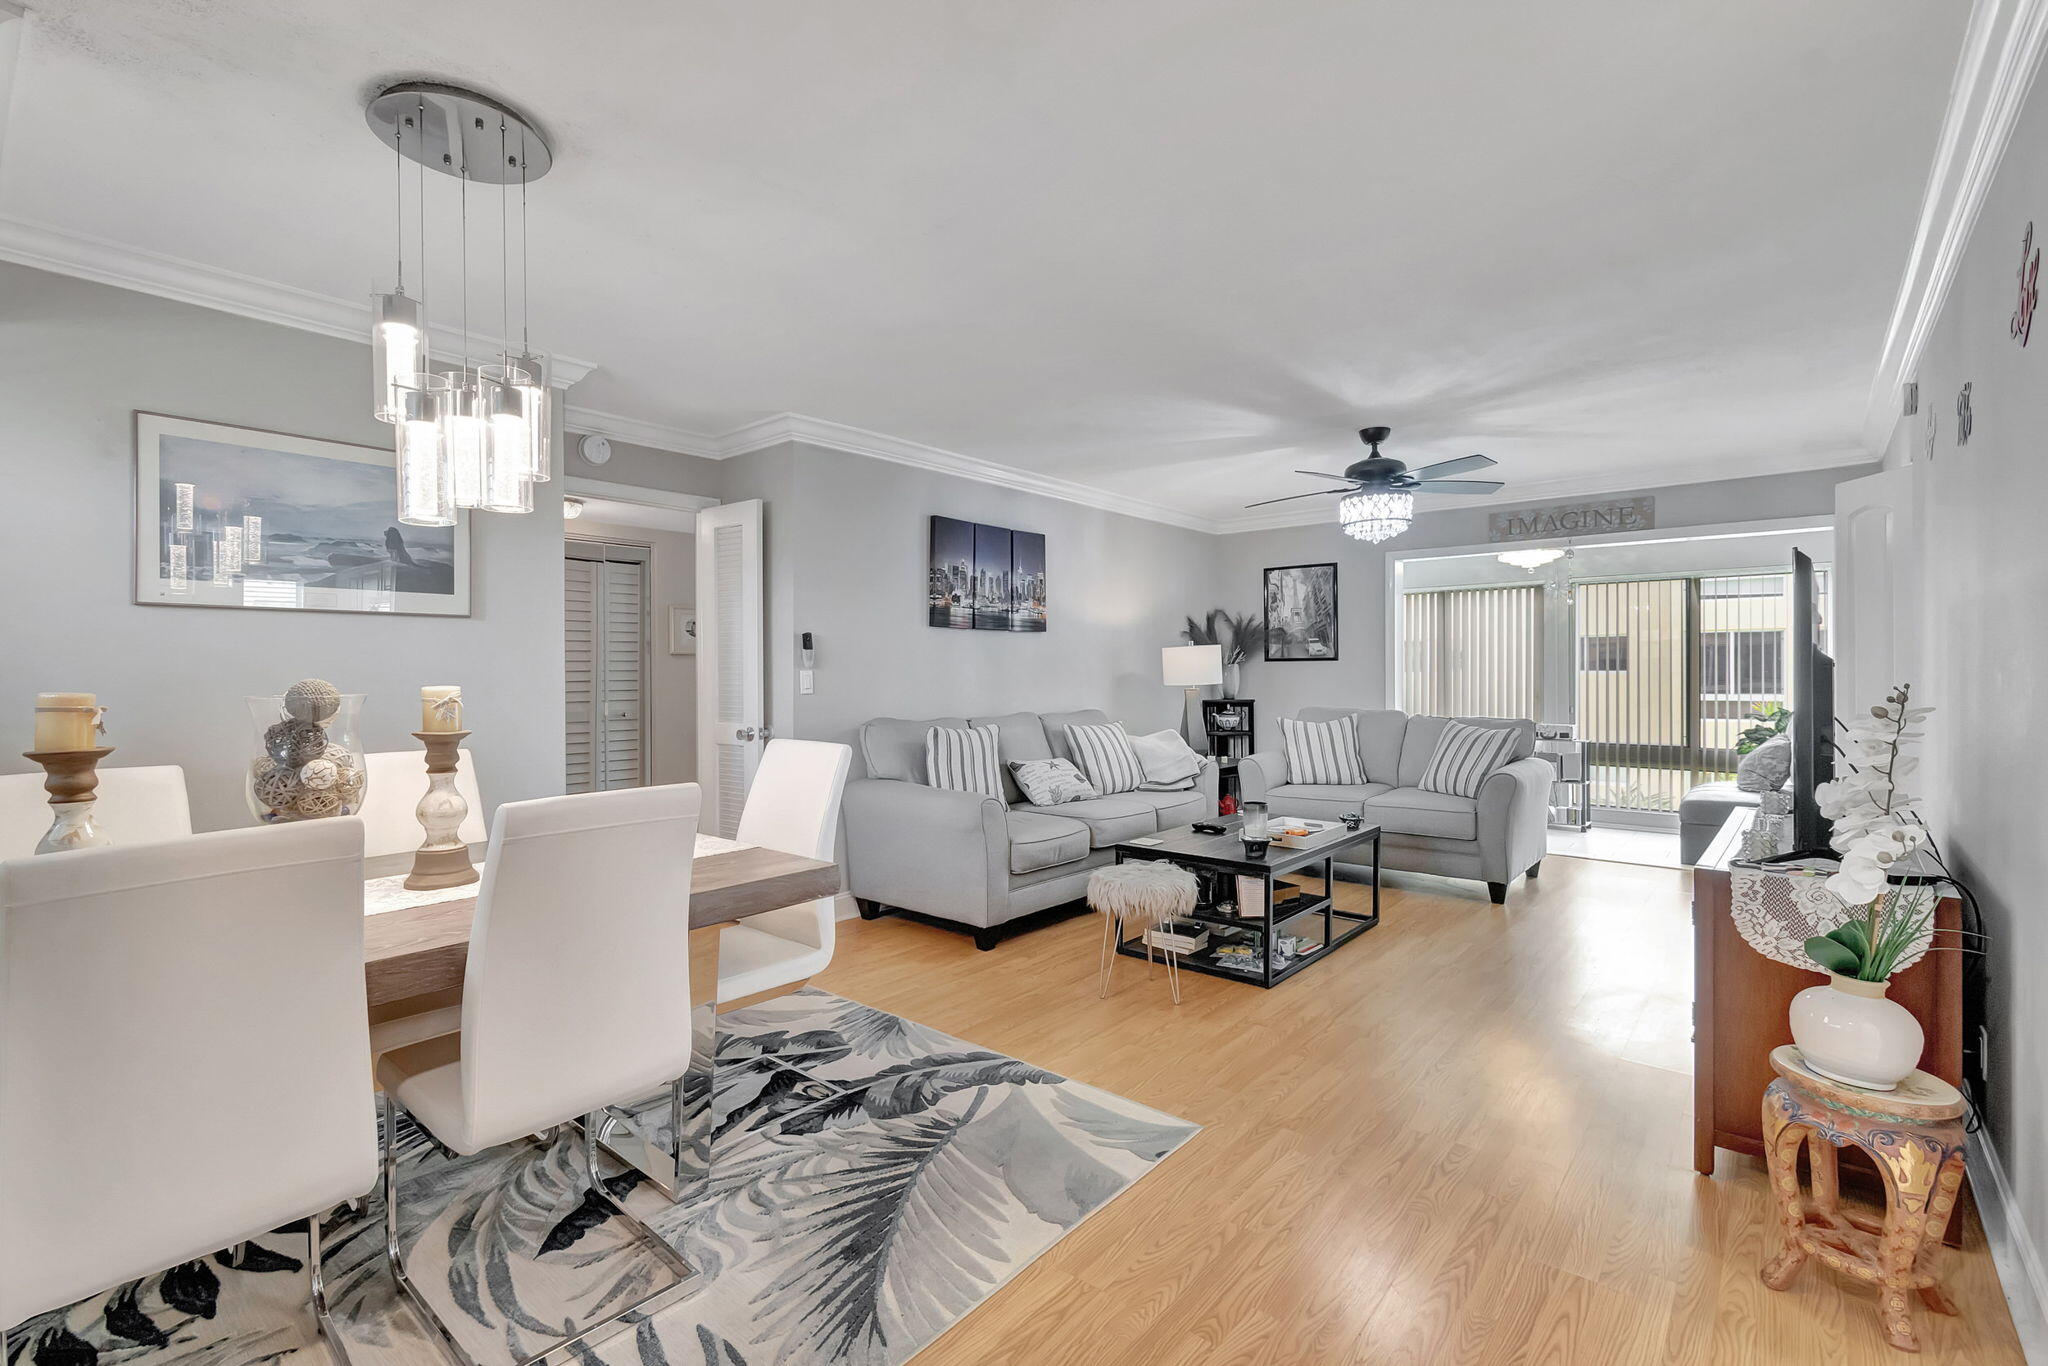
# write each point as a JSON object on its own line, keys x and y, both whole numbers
{"x": 1767, "y": 721}
{"x": 1239, "y": 636}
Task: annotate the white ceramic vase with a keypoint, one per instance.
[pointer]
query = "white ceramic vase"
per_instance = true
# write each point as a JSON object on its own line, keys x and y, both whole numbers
{"x": 1851, "y": 1031}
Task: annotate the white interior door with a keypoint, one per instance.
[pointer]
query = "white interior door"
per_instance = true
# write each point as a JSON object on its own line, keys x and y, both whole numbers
{"x": 605, "y": 666}
{"x": 731, "y": 686}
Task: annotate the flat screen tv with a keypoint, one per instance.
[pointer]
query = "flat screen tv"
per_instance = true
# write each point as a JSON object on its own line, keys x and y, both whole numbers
{"x": 1813, "y": 710}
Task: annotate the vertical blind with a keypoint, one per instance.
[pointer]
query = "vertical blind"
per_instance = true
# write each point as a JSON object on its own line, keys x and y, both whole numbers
{"x": 605, "y": 666}
{"x": 1473, "y": 652}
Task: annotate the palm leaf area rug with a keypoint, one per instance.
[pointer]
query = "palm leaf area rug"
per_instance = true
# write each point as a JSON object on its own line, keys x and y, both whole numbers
{"x": 872, "y": 1181}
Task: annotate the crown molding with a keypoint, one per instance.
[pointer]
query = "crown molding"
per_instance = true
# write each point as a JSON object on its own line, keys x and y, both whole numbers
{"x": 107, "y": 262}
{"x": 659, "y": 436}
{"x": 2002, "y": 52}
{"x": 813, "y": 431}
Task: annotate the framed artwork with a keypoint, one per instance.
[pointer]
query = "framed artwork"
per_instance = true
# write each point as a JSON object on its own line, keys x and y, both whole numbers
{"x": 1301, "y": 612}
{"x": 682, "y": 630}
{"x": 985, "y": 578}
{"x": 237, "y": 517}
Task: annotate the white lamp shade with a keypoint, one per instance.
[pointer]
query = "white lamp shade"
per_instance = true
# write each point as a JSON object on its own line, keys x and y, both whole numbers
{"x": 1191, "y": 666}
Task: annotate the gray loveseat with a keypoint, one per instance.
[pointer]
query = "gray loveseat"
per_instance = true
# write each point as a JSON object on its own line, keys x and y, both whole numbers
{"x": 975, "y": 860}
{"x": 1492, "y": 838}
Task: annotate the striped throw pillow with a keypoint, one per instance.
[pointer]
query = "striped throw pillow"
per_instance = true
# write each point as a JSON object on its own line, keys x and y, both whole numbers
{"x": 1465, "y": 757}
{"x": 1322, "y": 751}
{"x": 1105, "y": 755}
{"x": 963, "y": 760}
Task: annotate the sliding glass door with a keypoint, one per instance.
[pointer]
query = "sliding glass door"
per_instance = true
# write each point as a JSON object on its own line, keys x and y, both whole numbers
{"x": 1663, "y": 676}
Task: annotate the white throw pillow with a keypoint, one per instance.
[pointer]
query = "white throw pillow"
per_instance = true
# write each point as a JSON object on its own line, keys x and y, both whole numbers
{"x": 1466, "y": 757}
{"x": 1051, "y": 782}
{"x": 1322, "y": 752}
{"x": 1104, "y": 753}
{"x": 963, "y": 760}
{"x": 1169, "y": 764}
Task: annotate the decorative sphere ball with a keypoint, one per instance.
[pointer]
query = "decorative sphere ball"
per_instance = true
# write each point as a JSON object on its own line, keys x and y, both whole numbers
{"x": 340, "y": 754}
{"x": 277, "y": 789}
{"x": 311, "y": 699}
{"x": 306, "y": 741}
{"x": 318, "y": 803}
{"x": 320, "y": 774}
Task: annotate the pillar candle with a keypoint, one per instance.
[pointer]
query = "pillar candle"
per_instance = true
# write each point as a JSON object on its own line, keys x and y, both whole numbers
{"x": 66, "y": 720}
{"x": 440, "y": 708}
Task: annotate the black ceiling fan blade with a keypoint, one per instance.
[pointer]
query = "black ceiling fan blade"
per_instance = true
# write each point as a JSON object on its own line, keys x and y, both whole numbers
{"x": 1318, "y": 474}
{"x": 1458, "y": 486}
{"x": 1458, "y": 466}
{"x": 1319, "y": 493}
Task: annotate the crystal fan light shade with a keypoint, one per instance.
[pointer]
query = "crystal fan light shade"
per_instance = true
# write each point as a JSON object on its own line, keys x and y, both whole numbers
{"x": 467, "y": 435}
{"x": 1531, "y": 560}
{"x": 1376, "y": 516}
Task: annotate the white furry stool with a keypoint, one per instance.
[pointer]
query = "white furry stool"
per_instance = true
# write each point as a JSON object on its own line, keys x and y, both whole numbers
{"x": 1145, "y": 893}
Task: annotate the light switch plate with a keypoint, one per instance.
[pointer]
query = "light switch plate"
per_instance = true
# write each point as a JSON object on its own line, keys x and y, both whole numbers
{"x": 803, "y": 681}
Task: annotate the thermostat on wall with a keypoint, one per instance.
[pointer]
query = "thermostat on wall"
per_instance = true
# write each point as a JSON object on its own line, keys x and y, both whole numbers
{"x": 595, "y": 449}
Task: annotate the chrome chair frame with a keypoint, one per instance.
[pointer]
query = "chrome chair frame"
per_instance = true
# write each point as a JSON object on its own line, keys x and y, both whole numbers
{"x": 323, "y": 1319}
{"x": 685, "y": 1275}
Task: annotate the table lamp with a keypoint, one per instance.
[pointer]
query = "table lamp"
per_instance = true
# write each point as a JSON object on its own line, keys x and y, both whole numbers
{"x": 1192, "y": 667}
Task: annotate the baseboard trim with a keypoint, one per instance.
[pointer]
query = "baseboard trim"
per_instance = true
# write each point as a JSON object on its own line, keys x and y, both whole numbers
{"x": 2013, "y": 1250}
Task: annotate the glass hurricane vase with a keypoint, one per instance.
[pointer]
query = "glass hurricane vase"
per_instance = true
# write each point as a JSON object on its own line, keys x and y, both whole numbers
{"x": 309, "y": 766}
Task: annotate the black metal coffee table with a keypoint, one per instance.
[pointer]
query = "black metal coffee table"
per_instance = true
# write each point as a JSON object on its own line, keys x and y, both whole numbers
{"x": 1282, "y": 909}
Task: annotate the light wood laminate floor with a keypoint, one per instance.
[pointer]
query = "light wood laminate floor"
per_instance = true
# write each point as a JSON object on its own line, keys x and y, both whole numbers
{"x": 1465, "y": 1138}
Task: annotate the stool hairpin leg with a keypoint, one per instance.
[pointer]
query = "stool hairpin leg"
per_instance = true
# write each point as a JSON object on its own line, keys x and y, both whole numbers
{"x": 1112, "y": 935}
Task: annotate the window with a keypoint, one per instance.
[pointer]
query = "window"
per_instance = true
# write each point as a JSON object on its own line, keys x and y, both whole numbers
{"x": 1742, "y": 663}
{"x": 1603, "y": 654}
{"x": 1755, "y": 586}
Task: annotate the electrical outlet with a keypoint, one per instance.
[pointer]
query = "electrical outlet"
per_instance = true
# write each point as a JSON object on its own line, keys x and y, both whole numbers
{"x": 803, "y": 681}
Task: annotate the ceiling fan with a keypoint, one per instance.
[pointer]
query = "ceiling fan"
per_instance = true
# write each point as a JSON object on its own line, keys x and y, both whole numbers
{"x": 1379, "y": 491}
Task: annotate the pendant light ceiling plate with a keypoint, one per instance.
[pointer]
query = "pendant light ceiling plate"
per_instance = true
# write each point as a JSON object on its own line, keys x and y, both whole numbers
{"x": 446, "y": 128}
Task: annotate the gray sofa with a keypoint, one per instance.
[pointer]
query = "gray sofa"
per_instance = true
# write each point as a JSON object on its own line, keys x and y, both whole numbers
{"x": 1702, "y": 813}
{"x": 1493, "y": 838}
{"x": 977, "y": 861}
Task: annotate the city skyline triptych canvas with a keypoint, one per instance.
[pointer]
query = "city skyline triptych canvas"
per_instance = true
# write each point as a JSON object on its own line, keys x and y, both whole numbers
{"x": 985, "y": 578}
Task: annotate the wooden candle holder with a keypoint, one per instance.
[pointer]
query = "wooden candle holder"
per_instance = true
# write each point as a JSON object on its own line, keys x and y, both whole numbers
{"x": 71, "y": 777}
{"x": 442, "y": 859}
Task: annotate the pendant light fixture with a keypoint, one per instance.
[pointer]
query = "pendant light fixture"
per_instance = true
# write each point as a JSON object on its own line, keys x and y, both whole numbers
{"x": 477, "y": 435}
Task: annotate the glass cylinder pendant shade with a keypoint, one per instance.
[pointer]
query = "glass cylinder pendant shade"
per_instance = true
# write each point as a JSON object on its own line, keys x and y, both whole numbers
{"x": 462, "y": 429}
{"x": 426, "y": 486}
{"x": 395, "y": 330}
{"x": 508, "y": 447}
{"x": 540, "y": 425}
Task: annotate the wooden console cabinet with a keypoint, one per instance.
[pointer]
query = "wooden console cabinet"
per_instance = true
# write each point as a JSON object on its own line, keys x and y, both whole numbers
{"x": 1740, "y": 1000}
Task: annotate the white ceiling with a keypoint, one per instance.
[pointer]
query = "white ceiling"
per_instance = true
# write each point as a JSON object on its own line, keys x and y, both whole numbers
{"x": 1167, "y": 249}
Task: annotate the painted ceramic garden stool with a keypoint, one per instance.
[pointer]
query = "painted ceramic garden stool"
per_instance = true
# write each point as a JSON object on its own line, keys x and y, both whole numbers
{"x": 1914, "y": 1134}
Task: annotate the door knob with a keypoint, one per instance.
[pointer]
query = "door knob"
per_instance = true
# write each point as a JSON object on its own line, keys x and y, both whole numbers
{"x": 743, "y": 733}
{"x": 767, "y": 733}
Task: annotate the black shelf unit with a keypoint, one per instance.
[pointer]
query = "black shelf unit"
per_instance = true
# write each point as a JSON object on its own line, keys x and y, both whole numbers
{"x": 1231, "y": 742}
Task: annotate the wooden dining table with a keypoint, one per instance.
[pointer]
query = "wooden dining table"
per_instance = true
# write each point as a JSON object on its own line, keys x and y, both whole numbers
{"x": 419, "y": 950}
{"x": 416, "y": 946}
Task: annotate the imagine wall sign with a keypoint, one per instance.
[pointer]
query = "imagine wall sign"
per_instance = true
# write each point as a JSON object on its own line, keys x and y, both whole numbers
{"x": 1572, "y": 519}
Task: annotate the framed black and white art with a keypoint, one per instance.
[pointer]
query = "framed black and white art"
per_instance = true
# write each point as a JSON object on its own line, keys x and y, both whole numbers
{"x": 237, "y": 517}
{"x": 1301, "y": 612}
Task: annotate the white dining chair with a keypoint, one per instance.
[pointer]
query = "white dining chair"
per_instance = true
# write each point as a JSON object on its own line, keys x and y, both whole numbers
{"x": 793, "y": 806}
{"x": 132, "y": 805}
{"x": 396, "y": 780}
{"x": 575, "y": 995}
{"x": 183, "y": 1058}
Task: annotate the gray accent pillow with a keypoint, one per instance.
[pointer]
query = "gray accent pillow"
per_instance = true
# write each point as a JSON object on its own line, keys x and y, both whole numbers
{"x": 1465, "y": 758}
{"x": 1051, "y": 782}
{"x": 1765, "y": 768}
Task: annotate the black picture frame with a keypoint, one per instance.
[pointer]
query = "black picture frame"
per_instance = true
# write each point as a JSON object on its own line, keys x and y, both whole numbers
{"x": 1302, "y": 620}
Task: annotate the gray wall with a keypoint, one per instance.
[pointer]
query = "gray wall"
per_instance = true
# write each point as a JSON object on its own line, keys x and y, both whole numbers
{"x": 76, "y": 360}
{"x": 1986, "y": 640}
{"x": 1357, "y": 676}
{"x": 849, "y": 545}
{"x": 671, "y": 679}
{"x": 643, "y": 466}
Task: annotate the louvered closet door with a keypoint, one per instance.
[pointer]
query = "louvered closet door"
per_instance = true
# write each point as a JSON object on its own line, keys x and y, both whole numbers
{"x": 605, "y": 666}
